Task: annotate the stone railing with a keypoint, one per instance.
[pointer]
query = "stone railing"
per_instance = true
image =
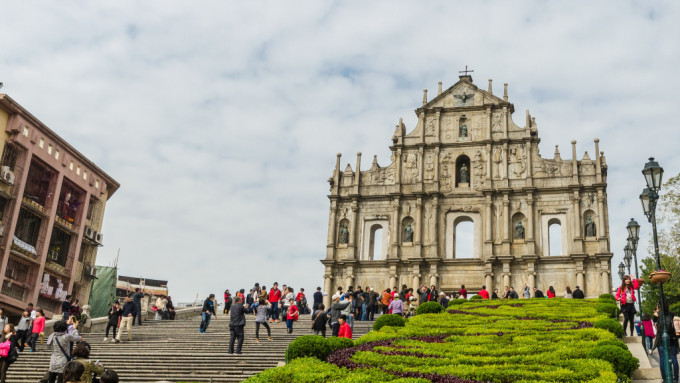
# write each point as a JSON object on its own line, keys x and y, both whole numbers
{"x": 99, "y": 324}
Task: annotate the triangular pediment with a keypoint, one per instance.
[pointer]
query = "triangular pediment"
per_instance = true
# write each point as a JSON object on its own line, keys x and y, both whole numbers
{"x": 464, "y": 93}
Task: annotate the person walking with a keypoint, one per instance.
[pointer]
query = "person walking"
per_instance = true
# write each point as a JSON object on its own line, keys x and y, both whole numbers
{"x": 274, "y": 298}
{"x": 207, "y": 311}
{"x": 261, "y": 319}
{"x": 372, "y": 303}
{"x": 9, "y": 342}
{"x": 22, "y": 330}
{"x": 648, "y": 331}
{"x": 526, "y": 292}
{"x": 484, "y": 293}
{"x": 301, "y": 301}
{"x": 568, "y": 294}
{"x": 672, "y": 342}
{"x": 578, "y": 293}
{"x": 129, "y": 312}
{"x": 237, "y": 321}
{"x": 115, "y": 312}
{"x": 292, "y": 315}
{"x": 319, "y": 320}
{"x": 66, "y": 307}
{"x": 38, "y": 328}
{"x": 318, "y": 299}
{"x": 625, "y": 295}
{"x": 462, "y": 291}
{"x": 61, "y": 353}
{"x": 137, "y": 300}
{"x": 345, "y": 331}
{"x": 227, "y": 301}
{"x": 396, "y": 307}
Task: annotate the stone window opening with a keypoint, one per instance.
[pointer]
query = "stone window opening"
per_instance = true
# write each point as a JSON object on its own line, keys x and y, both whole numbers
{"x": 555, "y": 237}
{"x": 376, "y": 248}
{"x": 463, "y": 171}
{"x": 70, "y": 202}
{"x": 463, "y": 238}
{"x": 9, "y": 156}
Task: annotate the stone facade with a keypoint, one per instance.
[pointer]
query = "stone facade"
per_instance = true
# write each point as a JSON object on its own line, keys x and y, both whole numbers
{"x": 467, "y": 161}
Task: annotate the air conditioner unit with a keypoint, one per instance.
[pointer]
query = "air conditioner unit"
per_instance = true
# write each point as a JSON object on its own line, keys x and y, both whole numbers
{"x": 90, "y": 271}
{"x": 98, "y": 237}
{"x": 7, "y": 175}
{"x": 89, "y": 233}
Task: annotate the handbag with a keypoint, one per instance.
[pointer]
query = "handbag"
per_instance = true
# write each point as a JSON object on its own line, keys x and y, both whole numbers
{"x": 4, "y": 349}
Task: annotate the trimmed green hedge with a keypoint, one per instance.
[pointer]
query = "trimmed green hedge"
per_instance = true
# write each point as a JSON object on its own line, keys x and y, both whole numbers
{"x": 529, "y": 341}
{"x": 476, "y": 298}
{"x": 430, "y": 308}
{"x": 608, "y": 308}
{"x": 314, "y": 346}
{"x": 336, "y": 343}
{"x": 622, "y": 361}
{"x": 394, "y": 320}
{"x": 456, "y": 302}
{"x": 608, "y": 297}
{"x": 611, "y": 325}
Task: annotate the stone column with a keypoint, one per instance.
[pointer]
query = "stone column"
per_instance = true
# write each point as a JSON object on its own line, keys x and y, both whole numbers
{"x": 574, "y": 164}
{"x": 352, "y": 245}
{"x": 488, "y": 165}
{"x": 488, "y": 281}
{"x": 506, "y": 279}
{"x": 436, "y": 167}
{"x": 604, "y": 279}
{"x": 434, "y": 276}
{"x": 530, "y": 219}
{"x": 415, "y": 274}
{"x": 530, "y": 170}
{"x": 327, "y": 286}
{"x": 393, "y": 281}
{"x": 506, "y": 218}
{"x": 532, "y": 281}
{"x": 505, "y": 160}
{"x": 434, "y": 241}
{"x": 331, "y": 224}
{"x": 417, "y": 235}
{"x": 421, "y": 168}
{"x": 579, "y": 280}
{"x": 394, "y": 229}
{"x": 576, "y": 207}
{"x": 505, "y": 122}
{"x": 489, "y": 124}
{"x": 437, "y": 125}
{"x": 598, "y": 162}
{"x": 600, "y": 215}
{"x": 488, "y": 218}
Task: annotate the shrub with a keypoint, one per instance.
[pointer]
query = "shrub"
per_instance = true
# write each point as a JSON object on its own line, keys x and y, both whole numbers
{"x": 622, "y": 360}
{"x": 611, "y": 325}
{"x": 607, "y": 297}
{"x": 314, "y": 346}
{"x": 430, "y": 308}
{"x": 608, "y": 308}
{"x": 336, "y": 343}
{"x": 456, "y": 302}
{"x": 394, "y": 320}
{"x": 476, "y": 298}
{"x": 616, "y": 343}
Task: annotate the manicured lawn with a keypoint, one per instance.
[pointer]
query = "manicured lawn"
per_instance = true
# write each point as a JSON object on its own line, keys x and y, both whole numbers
{"x": 534, "y": 340}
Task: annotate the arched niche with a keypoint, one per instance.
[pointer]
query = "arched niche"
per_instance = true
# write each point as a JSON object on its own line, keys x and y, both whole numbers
{"x": 407, "y": 231}
{"x": 343, "y": 234}
{"x": 463, "y": 163}
{"x": 518, "y": 234}
{"x": 590, "y": 224}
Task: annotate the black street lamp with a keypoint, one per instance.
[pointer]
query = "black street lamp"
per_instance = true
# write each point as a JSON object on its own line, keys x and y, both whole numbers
{"x": 627, "y": 257}
{"x": 622, "y": 270}
{"x": 650, "y": 195}
{"x": 633, "y": 237}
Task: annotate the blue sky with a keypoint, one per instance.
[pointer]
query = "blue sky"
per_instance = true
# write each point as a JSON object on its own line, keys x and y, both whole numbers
{"x": 221, "y": 119}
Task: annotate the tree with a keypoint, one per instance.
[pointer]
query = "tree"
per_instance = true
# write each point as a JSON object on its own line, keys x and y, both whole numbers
{"x": 668, "y": 220}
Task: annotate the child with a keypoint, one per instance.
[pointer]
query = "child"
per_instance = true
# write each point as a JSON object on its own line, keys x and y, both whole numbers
{"x": 345, "y": 330}
{"x": 648, "y": 328}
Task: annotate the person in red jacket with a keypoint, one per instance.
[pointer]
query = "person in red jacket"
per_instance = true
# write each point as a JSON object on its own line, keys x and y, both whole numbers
{"x": 551, "y": 292}
{"x": 462, "y": 291}
{"x": 38, "y": 328}
{"x": 345, "y": 330}
{"x": 274, "y": 298}
{"x": 291, "y": 315}
{"x": 483, "y": 293}
{"x": 625, "y": 294}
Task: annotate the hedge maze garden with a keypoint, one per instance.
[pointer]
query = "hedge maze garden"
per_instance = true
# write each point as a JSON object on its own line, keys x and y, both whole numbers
{"x": 528, "y": 340}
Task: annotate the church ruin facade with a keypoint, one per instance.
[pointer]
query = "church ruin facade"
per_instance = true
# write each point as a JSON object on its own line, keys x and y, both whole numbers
{"x": 534, "y": 220}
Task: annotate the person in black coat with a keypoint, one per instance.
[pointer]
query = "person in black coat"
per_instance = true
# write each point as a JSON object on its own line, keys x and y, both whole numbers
{"x": 319, "y": 320}
{"x": 672, "y": 343}
{"x": 578, "y": 293}
{"x": 237, "y": 321}
{"x": 512, "y": 294}
{"x": 539, "y": 294}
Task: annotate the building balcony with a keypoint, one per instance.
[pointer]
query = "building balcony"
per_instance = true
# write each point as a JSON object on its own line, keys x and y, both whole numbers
{"x": 33, "y": 205}
{"x": 24, "y": 249}
{"x": 14, "y": 290}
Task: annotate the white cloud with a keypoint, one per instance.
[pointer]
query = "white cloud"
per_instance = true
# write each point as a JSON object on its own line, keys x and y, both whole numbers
{"x": 222, "y": 120}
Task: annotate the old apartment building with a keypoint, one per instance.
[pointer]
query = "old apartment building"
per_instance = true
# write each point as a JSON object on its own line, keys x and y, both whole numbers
{"x": 52, "y": 202}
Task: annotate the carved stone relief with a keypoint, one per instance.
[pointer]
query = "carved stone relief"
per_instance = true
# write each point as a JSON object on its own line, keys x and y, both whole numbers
{"x": 517, "y": 161}
{"x": 479, "y": 172}
{"x": 429, "y": 166}
{"x": 410, "y": 168}
{"x": 447, "y": 169}
{"x": 447, "y": 129}
{"x": 429, "y": 127}
{"x": 499, "y": 161}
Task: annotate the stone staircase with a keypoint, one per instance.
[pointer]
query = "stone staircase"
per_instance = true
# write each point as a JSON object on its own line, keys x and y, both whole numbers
{"x": 175, "y": 351}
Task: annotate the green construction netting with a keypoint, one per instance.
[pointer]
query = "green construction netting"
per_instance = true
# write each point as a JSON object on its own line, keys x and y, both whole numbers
{"x": 103, "y": 291}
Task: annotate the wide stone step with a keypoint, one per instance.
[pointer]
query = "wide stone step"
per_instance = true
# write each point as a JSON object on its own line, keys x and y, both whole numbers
{"x": 175, "y": 351}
